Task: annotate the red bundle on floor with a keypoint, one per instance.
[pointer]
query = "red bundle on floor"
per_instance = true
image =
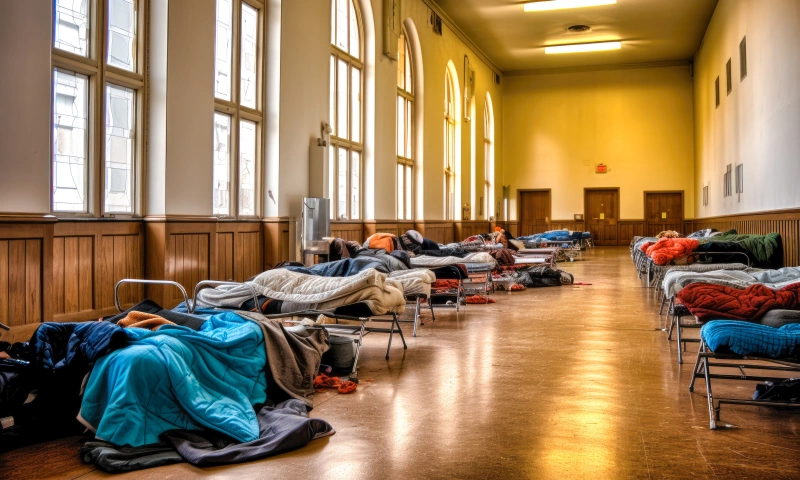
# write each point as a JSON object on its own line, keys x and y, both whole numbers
{"x": 323, "y": 383}
{"x": 707, "y": 301}
{"x": 477, "y": 299}
{"x": 668, "y": 249}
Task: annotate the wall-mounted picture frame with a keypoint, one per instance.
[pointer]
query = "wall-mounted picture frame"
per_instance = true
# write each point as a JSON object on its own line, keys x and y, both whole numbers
{"x": 578, "y": 217}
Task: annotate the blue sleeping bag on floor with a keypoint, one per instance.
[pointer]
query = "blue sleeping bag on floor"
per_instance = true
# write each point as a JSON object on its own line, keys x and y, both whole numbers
{"x": 177, "y": 378}
{"x": 744, "y": 338}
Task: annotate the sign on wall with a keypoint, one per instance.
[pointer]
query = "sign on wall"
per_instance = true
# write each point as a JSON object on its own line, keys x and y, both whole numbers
{"x": 601, "y": 168}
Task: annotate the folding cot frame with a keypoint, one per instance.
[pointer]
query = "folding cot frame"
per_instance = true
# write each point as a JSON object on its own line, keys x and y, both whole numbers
{"x": 706, "y": 360}
{"x": 359, "y": 331}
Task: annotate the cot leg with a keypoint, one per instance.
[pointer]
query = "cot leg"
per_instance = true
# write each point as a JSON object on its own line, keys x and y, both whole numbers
{"x": 391, "y": 334}
{"x": 416, "y": 316}
{"x": 400, "y": 330}
{"x": 713, "y": 413}
{"x": 696, "y": 371}
{"x": 430, "y": 305}
{"x": 663, "y": 301}
{"x": 359, "y": 342}
{"x": 671, "y": 319}
{"x": 680, "y": 344}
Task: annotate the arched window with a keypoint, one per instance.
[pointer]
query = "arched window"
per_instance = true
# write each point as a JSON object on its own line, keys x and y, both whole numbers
{"x": 347, "y": 144}
{"x": 405, "y": 125}
{"x": 450, "y": 99}
{"x": 488, "y": 156}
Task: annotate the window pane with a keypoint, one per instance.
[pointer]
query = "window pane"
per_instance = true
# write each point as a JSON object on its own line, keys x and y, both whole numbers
{"x": 332, "y": 180}
{"x": 408, "y": 129}
{"x": 355, "y": 185}
{"x": 249, "y": 52}
{"x": 409, "y": 192}
{"x": 223, "y": 53}
{"x": 72, "y": 26}
{"x": 341, "y": 99}
{"x": 355, "y": 43}
{"x": 401, "y": 63}
{"x": 332, "y": 114}
{"x": 122, "y": 34}
{"x": 222, "y": 164}
{"x": 400, "y": 192}
{"x": 333, "y": 22}
{"x": 341, "y": 197}
{"x": 342, "y": 11}
{"x": 120, "y": 112}
{"x": 70, "y": 141}
{"x": 247, "y": 168}
{"x": 355, "y": 105}
{"x": 409, "y": 85}
{"x": 401, "y": 125}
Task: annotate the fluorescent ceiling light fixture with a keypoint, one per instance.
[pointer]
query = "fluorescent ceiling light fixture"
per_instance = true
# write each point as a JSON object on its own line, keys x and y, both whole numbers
{"x": 583, "y": 47}
{"x": 545, "y": 5}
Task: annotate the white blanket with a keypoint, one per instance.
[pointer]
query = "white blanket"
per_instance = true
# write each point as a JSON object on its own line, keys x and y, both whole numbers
{"x": 428, "y": 261}
{"x": 416, "y": 281}
{"x": 299, "y": 291}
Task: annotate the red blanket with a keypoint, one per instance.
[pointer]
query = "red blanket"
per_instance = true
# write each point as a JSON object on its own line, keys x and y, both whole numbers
{"x": 707, "y": 301}
{"x": 668, "y": 249}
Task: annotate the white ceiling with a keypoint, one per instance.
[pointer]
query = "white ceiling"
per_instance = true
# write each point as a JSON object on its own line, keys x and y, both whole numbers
{"x": 651, "y": 31}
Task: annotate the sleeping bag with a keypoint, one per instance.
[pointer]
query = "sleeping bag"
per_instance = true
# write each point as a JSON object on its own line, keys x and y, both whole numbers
{"x": 708, "y": 301}
{"x": 177, "y": 378}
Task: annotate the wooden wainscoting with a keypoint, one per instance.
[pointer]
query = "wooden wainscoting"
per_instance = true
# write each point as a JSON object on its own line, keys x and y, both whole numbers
{"x": 395, "y": 227}
{"x": 89, "y": 258}
{"x": 629, "y": 229}
{"x": 25, "y": 276}
{"x": 468, "y": 228}
{"x": 277, "y": 241}
{"x": 348, "y": 230}
{"x": 239, "y": 250}
{"x": 511, "y": 226}
{"x": 441, "y": 232}
{"x": 785, "y": 222}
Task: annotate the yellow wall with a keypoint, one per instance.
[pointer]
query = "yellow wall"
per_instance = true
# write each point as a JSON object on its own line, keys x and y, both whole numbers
{"x": 758, "y": 124}
{"x": 638, "y": 122}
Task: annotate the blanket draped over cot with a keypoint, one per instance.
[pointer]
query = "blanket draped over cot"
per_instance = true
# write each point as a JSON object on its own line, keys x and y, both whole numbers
{"x": 298, "y": 291}
{"x": 177, "y": 378}
{"x": 429, "y": 261}
{"x": 742, "y": 338}
{"x": 707, "y": 301}
{"x": 675, "y": 281}
{"x": 666, "y": 250}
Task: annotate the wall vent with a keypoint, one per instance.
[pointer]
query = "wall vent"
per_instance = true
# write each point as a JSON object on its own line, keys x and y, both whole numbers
{"x": 728, "y": 76}
{"x": 743, "y": 59}
{"x": 496, "y": 78}
{"x": 436, "y": 23}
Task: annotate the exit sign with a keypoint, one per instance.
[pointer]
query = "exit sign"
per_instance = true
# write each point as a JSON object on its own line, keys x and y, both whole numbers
{"x": 602, "y": 168}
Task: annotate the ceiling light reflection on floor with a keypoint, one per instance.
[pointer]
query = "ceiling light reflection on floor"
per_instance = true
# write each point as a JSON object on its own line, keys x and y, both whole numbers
{"x": 546, "y": 5}
{"x": 583, "y": 47}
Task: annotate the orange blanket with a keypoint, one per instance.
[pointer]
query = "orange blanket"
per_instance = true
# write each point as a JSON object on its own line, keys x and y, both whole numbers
{"x": 382, "y": 240}
{"x": 668, "y": 249}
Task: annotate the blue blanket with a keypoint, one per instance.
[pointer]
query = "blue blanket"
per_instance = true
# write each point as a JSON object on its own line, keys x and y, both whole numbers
{"x": 177, "y": 378}
{"x": 744, "y": 338}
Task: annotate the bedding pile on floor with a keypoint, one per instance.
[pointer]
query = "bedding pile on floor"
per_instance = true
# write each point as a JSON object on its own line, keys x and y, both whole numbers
{"x": 542, "y": 276}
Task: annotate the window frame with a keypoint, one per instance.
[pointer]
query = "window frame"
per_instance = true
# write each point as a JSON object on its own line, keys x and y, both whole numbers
{"x": 238, "y": 112}
{"x": 450, "y": 124}
{"x": 96, "y": 67}
{"x": 337, "y": 142}
{"x": 489, "y": 157}
{"x": 405, "y": 208}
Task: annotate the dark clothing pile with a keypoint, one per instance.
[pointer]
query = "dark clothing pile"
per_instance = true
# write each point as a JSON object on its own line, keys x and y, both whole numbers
{"x": 543, "y": 276}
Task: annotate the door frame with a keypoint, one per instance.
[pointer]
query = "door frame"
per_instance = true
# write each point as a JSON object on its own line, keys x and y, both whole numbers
{"x": 549, "y": 191}
{"x": 586, "y": 191}
{"x": 644, "y": 202}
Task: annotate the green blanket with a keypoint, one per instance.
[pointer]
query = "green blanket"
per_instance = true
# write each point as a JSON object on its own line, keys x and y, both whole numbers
{"x": 763, "y": 247}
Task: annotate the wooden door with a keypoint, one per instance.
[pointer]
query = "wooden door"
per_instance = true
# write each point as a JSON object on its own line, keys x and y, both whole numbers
{"x": 534, "y": 211}
{"x": 663, "y": 211}
{"x": 602, "y": 214}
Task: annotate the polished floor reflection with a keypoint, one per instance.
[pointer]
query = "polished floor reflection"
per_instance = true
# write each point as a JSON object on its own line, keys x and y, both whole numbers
{"x": 571, "y": 382}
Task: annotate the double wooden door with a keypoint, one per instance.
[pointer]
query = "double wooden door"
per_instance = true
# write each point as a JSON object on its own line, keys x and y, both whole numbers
{"x": 534, "y": 211}
{"x": 601, "y": 207}
{"x": 663, "y": 211}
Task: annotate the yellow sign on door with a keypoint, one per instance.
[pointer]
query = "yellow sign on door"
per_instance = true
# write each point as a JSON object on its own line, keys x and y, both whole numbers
{"x": 663, "y": 214}
{"x": 602, "y": 216}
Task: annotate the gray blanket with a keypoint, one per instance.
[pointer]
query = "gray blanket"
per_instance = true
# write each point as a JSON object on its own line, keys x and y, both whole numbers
{"x": 293, "y": 356}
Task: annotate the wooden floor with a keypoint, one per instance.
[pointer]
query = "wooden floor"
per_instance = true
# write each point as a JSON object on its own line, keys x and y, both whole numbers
{"x": 571, "y": 382}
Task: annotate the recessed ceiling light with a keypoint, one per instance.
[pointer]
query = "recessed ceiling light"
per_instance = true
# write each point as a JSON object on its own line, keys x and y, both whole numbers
{"x": 583, "y": 47}
{"x": 545, "y": 5}
{"x": 578, "y": 28}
